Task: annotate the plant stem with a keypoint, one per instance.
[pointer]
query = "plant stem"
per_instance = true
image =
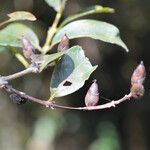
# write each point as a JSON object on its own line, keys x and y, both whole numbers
{"x": 20, "y": 57}
{"x": 52, "y": 105}
{"x": 113, "y": 103}
{"x": 52, "y": 30}
{"x": 9, "y": 89}
{"x": 30, "y": 69}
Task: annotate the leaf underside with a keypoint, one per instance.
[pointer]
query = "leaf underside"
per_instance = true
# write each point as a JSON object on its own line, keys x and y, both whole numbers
{"x": 70, "y": 73}
{"x": 91, "y": 28}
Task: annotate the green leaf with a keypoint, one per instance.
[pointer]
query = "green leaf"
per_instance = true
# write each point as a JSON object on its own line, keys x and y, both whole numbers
{"x": 90, "y": 28}
{"x": 11, "y": 35}
{"x": 91, "y": 10}
{"x": 70, "y": 73}
{"x": 2, "y": 49}
{"x": 54, "y": 3}
{"x": 50, "y": 58}
{"x": 21, "y": 15}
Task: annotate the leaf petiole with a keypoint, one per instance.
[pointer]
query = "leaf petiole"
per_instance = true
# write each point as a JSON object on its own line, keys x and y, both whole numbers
{"x": 52, "y": 30}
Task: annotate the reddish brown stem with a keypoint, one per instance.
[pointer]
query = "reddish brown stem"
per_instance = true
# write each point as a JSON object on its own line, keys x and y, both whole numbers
{"x": 48, "y": 104}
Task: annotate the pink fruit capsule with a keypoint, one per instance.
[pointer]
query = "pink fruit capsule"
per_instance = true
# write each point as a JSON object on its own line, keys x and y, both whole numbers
{"x": 139, "y": 74}
{"x": 64, "y": 43}
{"x": 92, "y": 96}
{"x": 28, "y": 49}
{"x": 137, "y": 90}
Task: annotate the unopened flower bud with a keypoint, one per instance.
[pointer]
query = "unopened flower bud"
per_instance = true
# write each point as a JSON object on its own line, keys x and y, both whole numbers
{"x": 64, "y": 44}
{"x": 28, "y": 49}
{"x": 137, "y": 90}
{"x": 17, "y": 99}
{"x": 92, "y": 96}
{"x": 139, "y": 74}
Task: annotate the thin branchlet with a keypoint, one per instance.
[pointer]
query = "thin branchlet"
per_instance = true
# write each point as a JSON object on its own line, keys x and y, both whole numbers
{"x": 31, "y": 69}
{"x": 52, "y": 105}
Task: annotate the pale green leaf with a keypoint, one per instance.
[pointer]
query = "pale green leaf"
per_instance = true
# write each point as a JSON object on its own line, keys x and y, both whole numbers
{"x": 90, "y": 28}
{"x": 91, "y": 10}
{"x": 21, "y": 15}
{"x": 70, "y": 73}
{"x": 11, "y": 35}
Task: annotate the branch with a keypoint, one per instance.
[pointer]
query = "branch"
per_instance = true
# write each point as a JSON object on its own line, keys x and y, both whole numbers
{"x": 52, "y": 105}
{"x": 31, "y": 69}
{"x": 52, "y": 30}
{"x": 10, "y": 89}
{"x": 113, "y": 103}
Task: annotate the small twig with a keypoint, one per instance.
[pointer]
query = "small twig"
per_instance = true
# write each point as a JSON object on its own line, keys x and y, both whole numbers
{"x": 52, "y": 30}
{"x": 31, "y": 69}
{"x": 113, "y": 103}
{"x": 52, "y": 105}
{"x": 9, "y": 89}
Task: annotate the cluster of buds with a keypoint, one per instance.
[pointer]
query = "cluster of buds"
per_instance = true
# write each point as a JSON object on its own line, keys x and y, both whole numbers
{"x": 137, "y": 80}
{"x": 92, "y": 96}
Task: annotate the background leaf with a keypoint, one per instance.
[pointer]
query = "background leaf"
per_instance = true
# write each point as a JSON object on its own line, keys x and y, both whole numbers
{"x": 91, "y": 10}
{"x": 54, "y": 3}
{"x": 2, "y": 49}
{"x": 90, "y": 28}
{"x": 21, "y": 15}
{"x": 70, "y": 73}
{"x": 10, "y": 35}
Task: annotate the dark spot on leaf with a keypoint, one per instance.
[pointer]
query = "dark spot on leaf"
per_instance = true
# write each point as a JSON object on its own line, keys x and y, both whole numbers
{"x": 62, "y": 71}
{"x": 67, "y": 83}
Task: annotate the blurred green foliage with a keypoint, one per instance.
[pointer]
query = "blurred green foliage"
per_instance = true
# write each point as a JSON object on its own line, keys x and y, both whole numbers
{"x": 108, "y": 138}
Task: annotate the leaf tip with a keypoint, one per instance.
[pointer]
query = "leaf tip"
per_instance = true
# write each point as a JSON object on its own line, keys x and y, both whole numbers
{"x": 126, "y": 48}
{"x": 99, "y": 9}
{"x": 95, "y": 67}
